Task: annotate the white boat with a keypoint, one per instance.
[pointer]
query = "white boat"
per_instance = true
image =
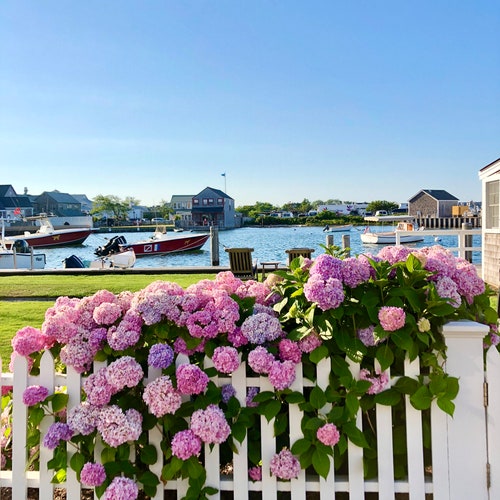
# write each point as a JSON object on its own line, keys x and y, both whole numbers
{"x": 112, "y": 255}
{"x": 391, "y": 237}
{"x": 337, "y": 229}
{"x": 20, "y": 256}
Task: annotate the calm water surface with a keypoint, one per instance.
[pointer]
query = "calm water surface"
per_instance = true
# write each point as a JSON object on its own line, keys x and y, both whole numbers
{"x": 269, "y": 244}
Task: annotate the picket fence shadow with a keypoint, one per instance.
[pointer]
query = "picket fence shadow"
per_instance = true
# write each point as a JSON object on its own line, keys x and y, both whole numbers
{"x": 465, "y": 459}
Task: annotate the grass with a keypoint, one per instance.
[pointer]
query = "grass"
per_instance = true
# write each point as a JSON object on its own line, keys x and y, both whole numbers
{"x": 17, "y": 310}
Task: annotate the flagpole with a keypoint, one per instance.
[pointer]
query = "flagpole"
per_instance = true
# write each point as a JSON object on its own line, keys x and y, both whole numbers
{"x": 224, "y": 175}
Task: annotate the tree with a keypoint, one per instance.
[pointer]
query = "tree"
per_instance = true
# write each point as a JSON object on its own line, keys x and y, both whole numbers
{"x": 389, "y": 206}
{"x": 109, "y": 205}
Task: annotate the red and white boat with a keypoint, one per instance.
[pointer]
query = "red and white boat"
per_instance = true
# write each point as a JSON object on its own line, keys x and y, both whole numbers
{"x": 47, "y": 236}
{"x": 163, "y": 243}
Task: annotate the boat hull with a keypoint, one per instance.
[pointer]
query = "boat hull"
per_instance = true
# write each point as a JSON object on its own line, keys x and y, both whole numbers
{"x": 338, "y": 229}
{"x": 59, "y": 238}
{"x": 182, "y": 243}
{"x": 9, "y": 260}
{"x": 389, "y": 238}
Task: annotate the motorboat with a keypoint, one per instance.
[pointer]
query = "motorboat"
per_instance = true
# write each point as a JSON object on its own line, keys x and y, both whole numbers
{"x": 121, "y": 260}
{"x": 163, "y": 242}
{"x": 113, "y": 254}
{"x": 337, "y": 229}
{"x": 20, "y": 256}
{"x": 392, "y": 237}
{"x": 47, "y": 236}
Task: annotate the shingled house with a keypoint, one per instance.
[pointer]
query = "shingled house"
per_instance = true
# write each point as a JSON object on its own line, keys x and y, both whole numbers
{"x": 432, "y": 203}
{"x": 213, "y": 207}
{"x": 490, "y": 179}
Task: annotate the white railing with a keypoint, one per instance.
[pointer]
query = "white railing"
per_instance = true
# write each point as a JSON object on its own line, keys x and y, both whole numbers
{"x": 463, "y": 246}
{"x": 460, "y": 451}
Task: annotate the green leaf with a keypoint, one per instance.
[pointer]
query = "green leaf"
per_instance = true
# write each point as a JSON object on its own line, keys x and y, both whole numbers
{"x": 390, "y": 397}
{"x": 406, "y": 385}
{"x": 59, "y": 402}
{"x": 77, "y": 462}
{"x": 422, "y": 398}
{"x": 384, "y": 356}
{"x": 317, "y": 398}
{"x": 170, "y": 470}
{"x": 295, "y": 398}
{"x": 352, "y": 403}
{"x": 238, "y": 431}
{"x": 321, "y": 462}
{"x": 263, "y": 396}
{"x": 149, "y": 479}
{"x": 148, "y": 454}
{"x": 446, "y": 405}
{"x": 318, "y": 354}
{"x": 402, "y": 339}
{"x": 355, "y": 435}
{"x": 300, "y": 446}
{"x": 270, "y": 409}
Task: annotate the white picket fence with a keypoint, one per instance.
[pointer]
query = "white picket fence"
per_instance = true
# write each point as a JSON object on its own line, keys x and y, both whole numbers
{"x": 465, "y": 454}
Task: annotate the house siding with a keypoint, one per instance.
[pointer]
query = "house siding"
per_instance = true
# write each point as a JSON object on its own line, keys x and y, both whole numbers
{"x": 491, "y": 258}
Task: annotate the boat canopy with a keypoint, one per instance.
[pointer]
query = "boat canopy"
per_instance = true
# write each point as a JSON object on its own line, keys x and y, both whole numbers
{"x": 389, "y": 218}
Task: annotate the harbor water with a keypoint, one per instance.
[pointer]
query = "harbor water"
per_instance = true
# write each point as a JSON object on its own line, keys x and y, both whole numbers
{"x": 269, "y": 244}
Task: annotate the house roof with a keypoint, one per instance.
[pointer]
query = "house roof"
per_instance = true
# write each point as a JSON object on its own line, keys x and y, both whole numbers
{"x": 437, "y": 194}
{"x": 60, "y": 197}
{"x": 218, "y": 192}
{"x": 486, "y": 167}
{"x": 491, "y": 169}
{"x": 8, "y": 202}
{"x": 5, "y": 188}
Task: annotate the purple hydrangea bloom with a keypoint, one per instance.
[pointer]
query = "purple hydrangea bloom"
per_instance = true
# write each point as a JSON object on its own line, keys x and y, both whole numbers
{"x": 191, "y": 379}
{"x": 284, "y": 465}
{"x": 226, "y": 359}
{"x": 92, "y": 474}
{"x": 186, "y": 444}
{"x": 210, "y": 425}
{"x": 328, "y": 294}
{"x": 121, "y": 488}
{"x": 57, "y": 432}
{"x": 160, "y": 356}
{"x": 261, "y": 327}
{"x": 34, "y": 394}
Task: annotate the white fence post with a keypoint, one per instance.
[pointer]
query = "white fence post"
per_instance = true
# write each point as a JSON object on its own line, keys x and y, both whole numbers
{"x": 467, "y": 427}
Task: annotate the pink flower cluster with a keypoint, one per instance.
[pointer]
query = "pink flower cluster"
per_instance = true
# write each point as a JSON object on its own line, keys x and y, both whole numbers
{"x": 121, "y": 488}
{"x": 261, "y": 327}
{"x": 92, "y": 474}
{"x": 391, "y": 318}
{"x": 379, "y": 382}
{"x": 161, "y": 397}
{"x": 226, "y": 359}
{"x": 186, "y": 444}
{"x": 328, "y": 434}
{"x": 327, "y": 293}
{"x": 191, "y": 379}
{"x": 34, "y": 394}
{"x": 210, "y": 425}
{"x": 284, "y": 465}
{"x": 117, "y": 427}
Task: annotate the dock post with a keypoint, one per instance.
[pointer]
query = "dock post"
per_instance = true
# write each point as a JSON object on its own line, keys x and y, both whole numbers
{"x": 330, "y": 242}
{"x": 468, "y": 241}
{"x": 346, "y": 243}
{"x": 214, "y": 245}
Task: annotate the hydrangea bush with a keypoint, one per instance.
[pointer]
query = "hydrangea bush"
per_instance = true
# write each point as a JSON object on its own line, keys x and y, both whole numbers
{"x": 372, "y": 311}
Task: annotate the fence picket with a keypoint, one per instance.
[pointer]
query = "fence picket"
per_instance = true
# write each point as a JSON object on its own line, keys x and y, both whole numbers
{"x": 268, "y": 447}
{"x": 295, "y": 418}
{"x": 385, "y": 450}
{"x": 415, "y": 456}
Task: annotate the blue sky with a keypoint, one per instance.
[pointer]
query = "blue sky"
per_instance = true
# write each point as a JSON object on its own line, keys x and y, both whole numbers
{"x": 317, "y": 99}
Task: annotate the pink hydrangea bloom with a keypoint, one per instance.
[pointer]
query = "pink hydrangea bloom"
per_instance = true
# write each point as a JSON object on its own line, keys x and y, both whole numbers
{"x": 78, "y": 354}
{"x": 82, "y": 419}
{"x": 284, "y": 465}
{"x": 92, "y": 474}
{"x": 191, "y": 379}
{"x": 391, "y": 318}
{"x": 34, "y": 394}
{"x": 255, "y": 473}
{"x": 290, "y": 350}
{"x": 310, "y": 342}
{"x": 127, "y": 333}
{"x": 226, "y": 359}
{"x": 124, "y": 372}
{"x": 282, "y": 374}
{"x": 97, "y": 388}
{"x": 107, "y": 313}
{"x": 161, "y": 397}
{"x": 328, "y": 294}
{"x": 186, "y": 444}
{"x": 379, "y": 382}
{"x": 328, "y": 434}
{"x": 117, "y": 427}
{"x": 394, "y": 254}
{"x": 355, "y": 271}
{"x": 447, "y": 288}
{"x": 121, "y": 488}
{"x": 326, "y": 266}
{"x": 28, "y": 340}
{"x": 260, "y": 360}
{"x": 210, "y": 425}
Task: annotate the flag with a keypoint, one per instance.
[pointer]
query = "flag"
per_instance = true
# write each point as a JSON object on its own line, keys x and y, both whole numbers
{"x": 223, "y": 175}
{"x": 17, "y": 211}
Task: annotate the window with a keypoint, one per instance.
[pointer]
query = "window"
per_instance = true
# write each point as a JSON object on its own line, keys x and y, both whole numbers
{"x": 205, "y": 201}
{"x": 196, "y": 201}
{"x": 492, "y": 204}
{"x": 210, "y": 201}
{"x": 220, "y": 201}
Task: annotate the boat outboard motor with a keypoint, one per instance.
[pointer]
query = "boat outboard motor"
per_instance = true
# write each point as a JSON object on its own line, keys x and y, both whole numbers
{"x": 21, "y": 246}
{"x": 112, "y": 246}
{"x": 73, "y": 262}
